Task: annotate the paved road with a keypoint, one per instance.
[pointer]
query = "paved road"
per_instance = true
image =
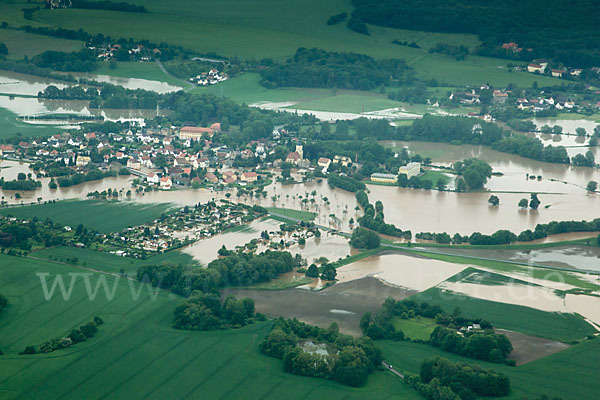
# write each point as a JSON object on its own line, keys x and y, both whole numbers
{"x": 392, "y": 370}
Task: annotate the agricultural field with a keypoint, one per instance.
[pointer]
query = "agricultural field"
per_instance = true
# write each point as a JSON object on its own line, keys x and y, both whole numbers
{"x": 275, "y": 29}
{"x": 103, "y": 216}
{"x": 570, "y": 374}
{"x": 21, "y": 44}
{"x": 127, "y": 358}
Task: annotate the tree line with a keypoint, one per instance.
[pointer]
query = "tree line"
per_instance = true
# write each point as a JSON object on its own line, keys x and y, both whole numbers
{"x": 235, "y": 269}
{"x": 108, "y": 5}
{"x": 77, "y": 335}
{"x": 348, "y": 360}
{"x": 374, "y": 220}
{"x": 326, "y": 69}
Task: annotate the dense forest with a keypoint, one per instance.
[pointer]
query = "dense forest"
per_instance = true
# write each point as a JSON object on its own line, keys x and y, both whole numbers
{"x": 325, "y": 69}
{"x": 567, "y": 33}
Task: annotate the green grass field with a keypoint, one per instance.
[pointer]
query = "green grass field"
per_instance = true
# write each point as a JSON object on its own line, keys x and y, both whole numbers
{"x": 103, "y": 216}
{"x": 415, "y": 328}
{"x": 305, "y": 216}
{"x": 11, "y": 125}
{"x": 136, "y": 354}
{"x": 551, "y": 325}
{"x": 21, "y": 44}
{"x": 434, "y": 177}
{"x": 274, "y": 28}
{"x": 572, "y": 374}
{"x": 101, "y": 261}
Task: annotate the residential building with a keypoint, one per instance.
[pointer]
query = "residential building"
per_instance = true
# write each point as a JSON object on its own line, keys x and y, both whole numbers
{"x": 249, "y": 176}
{"x": 324, "y": 162}
{"x": 410, "y": 169}
{"x": 82, "y": 161}
{"x": 166, "y": 183}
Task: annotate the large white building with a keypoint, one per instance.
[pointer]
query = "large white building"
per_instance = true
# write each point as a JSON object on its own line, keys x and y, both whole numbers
{"x": 410, "y": 169}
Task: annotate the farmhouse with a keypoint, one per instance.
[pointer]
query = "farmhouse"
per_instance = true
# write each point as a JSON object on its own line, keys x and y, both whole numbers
{"x": 558, "y": 73}
{"x": 499, "y": 97}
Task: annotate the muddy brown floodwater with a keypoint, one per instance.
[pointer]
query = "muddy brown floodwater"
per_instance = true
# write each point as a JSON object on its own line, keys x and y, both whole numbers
{"x": 343, "y": 303}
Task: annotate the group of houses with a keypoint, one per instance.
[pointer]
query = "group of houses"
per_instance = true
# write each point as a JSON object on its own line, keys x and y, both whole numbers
{"x": 211, "y": 77}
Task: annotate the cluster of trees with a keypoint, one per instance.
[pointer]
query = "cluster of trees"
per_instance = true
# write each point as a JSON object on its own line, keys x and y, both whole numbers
{"x": 20, "y": 184}
{"x": 3, "y": 49}
{"x": 486, "y": 346}
{"x": 441, "y": 379}
{"x": 235, "y": 269}
{"x": 544, "y": 26}
{"x": 326, "y": 272}
{"x": 325, "y": 69}
{"x": 348, "y": 361}
{"x": 365, "y": 239}
{"x": 337, "y": 18}
{"x": 81, "y": 61}
{"x": 587, "y": 160}
{"x": 416, "y": 93}
{"x": 474, "y": 171}
{"x": 77, "y": 335}
{"x": 531, "y": 147}
{"x": 356, "y": 25}
{"x": 76, "y": 179}
{"x": 374, "y": 220}
{"x": 460, "y": 52}
{"x": 205, "y": 312}
{"x": 345, "y": 182}
{"x": 108, "y": 5}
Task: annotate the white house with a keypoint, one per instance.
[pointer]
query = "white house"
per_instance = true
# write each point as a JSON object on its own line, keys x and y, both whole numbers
{"x": 410, "y": 169}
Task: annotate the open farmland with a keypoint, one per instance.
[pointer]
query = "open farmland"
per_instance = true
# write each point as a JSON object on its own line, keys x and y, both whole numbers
{"x": 571, "y": 374}
{"x": 21, "y": 44}
{"x": 259, "y": 29}
{"x": 127, "y": 358}
{"x": 93, "y": 214}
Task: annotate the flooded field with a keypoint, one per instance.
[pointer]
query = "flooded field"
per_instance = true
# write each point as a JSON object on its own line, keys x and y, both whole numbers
{"x": 581, "y": 257}
{"x": 206, "y": 250}
{"x": 10, "y": 169}
{"x": 400, "y": 270}
{"x": 343, "y": 303}
{"x": 132, "y": 83}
